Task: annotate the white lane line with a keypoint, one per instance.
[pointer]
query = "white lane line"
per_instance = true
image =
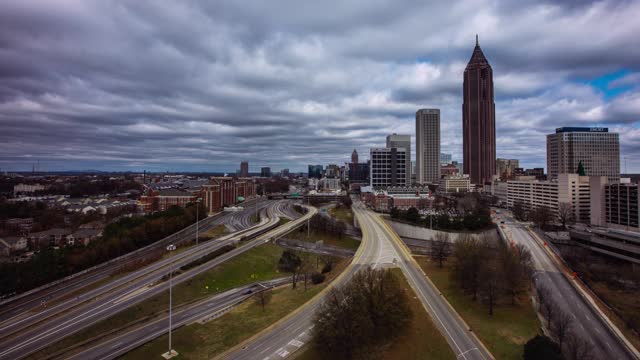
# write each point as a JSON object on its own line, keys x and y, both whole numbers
{"x": 296, "y": 343}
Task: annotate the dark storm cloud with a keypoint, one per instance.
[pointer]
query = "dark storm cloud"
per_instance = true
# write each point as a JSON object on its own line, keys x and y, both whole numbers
{"x": 200, "y": 85}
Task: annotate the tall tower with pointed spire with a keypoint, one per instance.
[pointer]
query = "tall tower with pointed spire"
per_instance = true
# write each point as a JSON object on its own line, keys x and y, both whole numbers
{"x": 478, "y": 119}
{"x": 354, "y": 157}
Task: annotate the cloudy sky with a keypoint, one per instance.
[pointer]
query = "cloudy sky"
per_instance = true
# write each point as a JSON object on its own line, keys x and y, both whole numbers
{"x": 202, "y": 85}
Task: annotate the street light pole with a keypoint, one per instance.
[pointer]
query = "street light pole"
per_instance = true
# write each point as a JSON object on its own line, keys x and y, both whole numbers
{"x": 197, "y": 219}
{"x": 171, "y": 353}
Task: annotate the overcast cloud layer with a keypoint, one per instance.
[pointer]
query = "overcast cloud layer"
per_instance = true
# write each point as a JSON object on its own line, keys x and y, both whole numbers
{"x": 200, "y": 86}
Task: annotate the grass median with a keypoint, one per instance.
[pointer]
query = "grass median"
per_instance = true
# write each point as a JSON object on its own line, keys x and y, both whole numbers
{"x": 257, "y": 264}
{"x": 422, "y": 340}
{"x": 205, "y": 341}
{"x": 343, "y": 214}
{"x": 505, "y": 332}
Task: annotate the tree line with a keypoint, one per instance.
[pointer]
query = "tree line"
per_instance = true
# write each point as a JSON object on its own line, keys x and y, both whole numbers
{"x": 488, "y": 271}
{"x": 327, "y": 225}
{"x": 119, "y": 238}
{"x": 357, "y": 320}
{"x": 473, "y": 220}
{"x": 542, "y": 215}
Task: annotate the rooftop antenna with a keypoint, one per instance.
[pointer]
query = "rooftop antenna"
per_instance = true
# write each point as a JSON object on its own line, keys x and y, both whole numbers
{"x": 477, "y": 40}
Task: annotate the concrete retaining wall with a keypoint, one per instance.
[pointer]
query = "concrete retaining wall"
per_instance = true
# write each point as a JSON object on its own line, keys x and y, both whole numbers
{"x": 418, "y": 232}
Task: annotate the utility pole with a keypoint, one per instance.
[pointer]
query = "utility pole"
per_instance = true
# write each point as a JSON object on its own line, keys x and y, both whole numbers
{"x": 171, "y": 353}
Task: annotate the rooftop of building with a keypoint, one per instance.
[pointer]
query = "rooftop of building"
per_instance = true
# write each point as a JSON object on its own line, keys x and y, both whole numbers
{"x": 581, "y": 129}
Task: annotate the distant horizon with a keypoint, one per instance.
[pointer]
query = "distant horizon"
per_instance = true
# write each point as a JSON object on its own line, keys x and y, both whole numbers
{"x": 86, "y": 86}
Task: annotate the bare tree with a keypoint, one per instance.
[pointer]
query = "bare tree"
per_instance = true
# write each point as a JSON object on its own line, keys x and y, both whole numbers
{"x": 577, "y": 348}
{"x": 542, "y": 216}
{"x": 489, "y": 284}
{"x": 565, "y": 214}
{"x": 440, "y": 248}
{"x": 548, "y": 308}
{"x": 561, "y": 325}
{"x": 263, "y": 297}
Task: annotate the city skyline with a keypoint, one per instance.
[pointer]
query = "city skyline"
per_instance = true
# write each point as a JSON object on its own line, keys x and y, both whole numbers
{"x": 286, "y": 92}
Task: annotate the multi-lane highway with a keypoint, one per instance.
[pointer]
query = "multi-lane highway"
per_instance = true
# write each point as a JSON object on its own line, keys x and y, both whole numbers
{"x": 35, "y": 300}
{"x": 27, "y": 335}
{"x": 380, "y": 247}
{"x": 204, "y": 310}
{"x": 587, "y": 323}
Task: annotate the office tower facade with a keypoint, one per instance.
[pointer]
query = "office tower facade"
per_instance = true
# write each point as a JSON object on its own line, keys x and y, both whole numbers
{"x": 445, "y": 158}
{"x": 596, "y": 148}
{"x": 478, "y": 119}
{"x": 354, "y": 157}
{"x": 506, "y": 168}
{"x": 428, "y": 146}
{"x": 244, "y": 169}
{"x": 621, "y": 206}
{"x": 315, "y": 171}
{"x": 402, "y": 142}
{"x": 265, "y": 172}
{"x": 284, "y": 173}
{"x": 388, "y": 167}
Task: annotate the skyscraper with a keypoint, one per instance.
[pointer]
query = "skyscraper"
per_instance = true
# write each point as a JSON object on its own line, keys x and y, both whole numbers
{"x": 265, "y": 172}
{"x": 354, "y": 157}
{"x": 478, "y": 119}
{"x": 428, "y": 146}
{"x": 596, "y": 149}
{"x": 244, "y": 169}
{"x": 388, "y": 167}
{"x": 402, "y": 142}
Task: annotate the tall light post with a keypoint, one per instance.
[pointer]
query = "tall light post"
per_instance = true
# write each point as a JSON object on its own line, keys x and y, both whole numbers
{"x": 171, "y": 353}
{"x": 197, "y": 219}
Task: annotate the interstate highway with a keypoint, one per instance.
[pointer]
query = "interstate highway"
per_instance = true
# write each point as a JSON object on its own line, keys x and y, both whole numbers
{"x": 132, "y": 292}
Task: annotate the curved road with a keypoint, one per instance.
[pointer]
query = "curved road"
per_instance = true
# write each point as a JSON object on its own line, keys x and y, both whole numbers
{"x": 588, "y": 324}
{"x": 380, "y": 247}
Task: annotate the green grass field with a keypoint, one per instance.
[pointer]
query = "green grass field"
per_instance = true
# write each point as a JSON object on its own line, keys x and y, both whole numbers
{"x": 344, "y": 242}
{"x": 205, "y": 341}
{"x": 504, "y": 333}
{"x": 422, "y": 341}
{"x": 343, "y": 214}
{"x": 259, "y": 263}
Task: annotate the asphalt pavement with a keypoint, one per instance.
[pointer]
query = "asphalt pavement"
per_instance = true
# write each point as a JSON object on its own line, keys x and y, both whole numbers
{"x": 109, "y": 299}
{"x": 380, "y": 247}
{"x": 205, "y": 310}
{"x": 588, "y": 324}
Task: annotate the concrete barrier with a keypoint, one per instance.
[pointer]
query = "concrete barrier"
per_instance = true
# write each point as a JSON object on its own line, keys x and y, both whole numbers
{"x": 422, "y": 233}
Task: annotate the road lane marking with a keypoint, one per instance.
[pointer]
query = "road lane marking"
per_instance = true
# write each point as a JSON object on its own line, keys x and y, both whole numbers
{"x": 296, "y": 343}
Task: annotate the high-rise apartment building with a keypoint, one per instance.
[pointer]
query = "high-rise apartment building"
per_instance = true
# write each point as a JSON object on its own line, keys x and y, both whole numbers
{"x": 478, "y": 119}
{"x": 388, "y": 167}
{"x": 428, "y": 146}
{"x": 505, "y": 168}
{"x": 402, "y": 142}
{"x": 596, "y": 148}
{"x": 244, "y": 169}
{"x": 265, "y": 172}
